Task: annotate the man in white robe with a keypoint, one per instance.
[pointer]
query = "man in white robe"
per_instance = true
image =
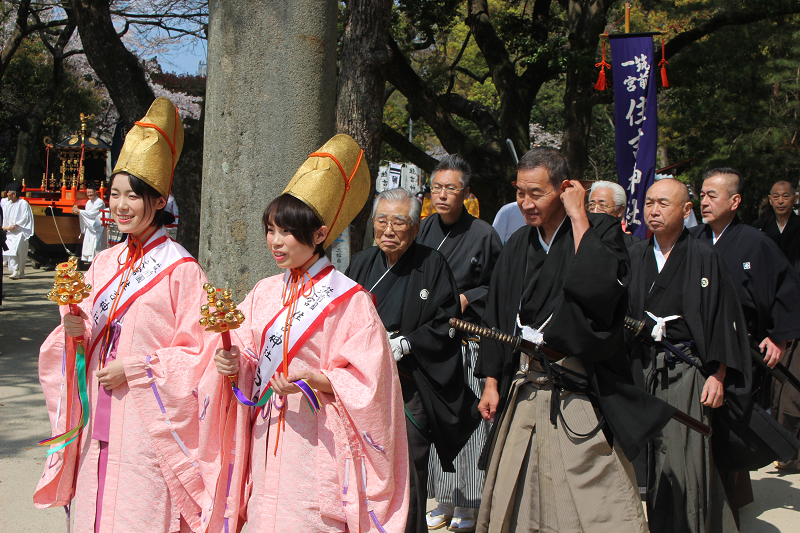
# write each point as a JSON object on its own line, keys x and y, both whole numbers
{"x": 18, "y": 224}
{"x": 94, "y": 233}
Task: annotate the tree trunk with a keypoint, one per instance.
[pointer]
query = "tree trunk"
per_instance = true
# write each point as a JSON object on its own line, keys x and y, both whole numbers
{"x": 31, "y": 125}
{"x": 17, "y": 36}
{"x": 362, "y": 83}
{"x": 119, "y": 69}
{"x": 187, "y": 185}
{"x": 270, "y": 101}
{"x": 585, "y": 21}
{"x": 577, "y": 123}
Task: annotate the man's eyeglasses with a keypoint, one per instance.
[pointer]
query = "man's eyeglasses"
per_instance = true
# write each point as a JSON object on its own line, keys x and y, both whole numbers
{"x": 449, "y": 190}
{"x": 601, "y": 205}
{"x": 397, "y": 224}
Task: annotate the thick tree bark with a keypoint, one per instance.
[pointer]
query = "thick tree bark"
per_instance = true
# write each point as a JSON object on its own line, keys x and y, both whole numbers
{"x": 585, "y": 22}
{"x": 119, "y": 69}
{"x": 187, "y": 184}
{"x": 362, "y": 85}
{"x": 31, "y": 125}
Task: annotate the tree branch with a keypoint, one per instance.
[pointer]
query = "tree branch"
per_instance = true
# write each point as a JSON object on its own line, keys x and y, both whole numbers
{"x": 425, "y": 102}
{"x": 720, "y": 19}
{"x": 399, "y": 142}
{"x": 479, "y": 79}
{"x": 474, "y": 112}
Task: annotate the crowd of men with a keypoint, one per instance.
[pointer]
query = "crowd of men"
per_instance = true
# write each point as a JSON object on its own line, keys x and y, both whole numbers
{"x": 632, "y": 350}
{"x": 625, "y": 351}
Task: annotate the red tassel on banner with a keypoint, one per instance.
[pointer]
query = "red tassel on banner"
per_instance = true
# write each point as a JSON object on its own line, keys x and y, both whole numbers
{"x": 601, "y": 79}
{"x": 663, "y": 64}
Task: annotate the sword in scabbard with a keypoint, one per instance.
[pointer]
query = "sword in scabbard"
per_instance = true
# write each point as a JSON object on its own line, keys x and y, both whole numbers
{"x": 780, "y": 372}
{"x": 518, "y": 343}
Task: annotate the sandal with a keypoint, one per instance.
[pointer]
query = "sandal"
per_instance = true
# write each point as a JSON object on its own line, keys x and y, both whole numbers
{"x": 784, "y": 466}
{"x": 462, "y": 525}
{"x": 436, "y": 521}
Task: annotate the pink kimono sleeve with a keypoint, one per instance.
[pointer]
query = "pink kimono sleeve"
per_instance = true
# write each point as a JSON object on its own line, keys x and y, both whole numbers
{"x": 163, "y": 384}
{"x": 369, "y": 406}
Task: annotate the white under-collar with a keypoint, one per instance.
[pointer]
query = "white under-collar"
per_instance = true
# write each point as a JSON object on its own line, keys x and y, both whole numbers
{"x": 716, "y": 237}
{"x": 312, "y": 271}
{"x": 660, "y": 259}
{"x": 544, "y": 244}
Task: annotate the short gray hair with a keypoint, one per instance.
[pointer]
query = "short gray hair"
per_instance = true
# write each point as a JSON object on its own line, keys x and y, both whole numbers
{"x": 620, "y": 198}
{"x": 400, "y": 195}
{"x": 454, "y": 162}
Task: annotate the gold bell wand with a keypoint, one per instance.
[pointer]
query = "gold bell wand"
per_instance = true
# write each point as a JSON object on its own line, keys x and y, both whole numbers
{"x": 224, "y": 318}
{"x": 69, "y": 289}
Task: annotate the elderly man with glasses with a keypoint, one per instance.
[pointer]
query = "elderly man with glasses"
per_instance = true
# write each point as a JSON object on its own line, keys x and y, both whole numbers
{"x": 610, "y": 198}
{"x": 416, "y": 295}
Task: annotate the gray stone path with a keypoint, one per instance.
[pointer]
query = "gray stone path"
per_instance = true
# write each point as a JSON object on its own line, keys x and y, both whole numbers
{"x": 26, "y": 318}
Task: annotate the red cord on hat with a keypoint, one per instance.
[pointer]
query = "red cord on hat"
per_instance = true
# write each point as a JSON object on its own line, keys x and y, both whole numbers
{"x": 169, "y": 142}
{"x": 344, "y": 175}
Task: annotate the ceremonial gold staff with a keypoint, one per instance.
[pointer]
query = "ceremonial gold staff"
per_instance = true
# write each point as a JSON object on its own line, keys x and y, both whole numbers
{"x": 70, "y": 289}
{"x": 224, "y": 318}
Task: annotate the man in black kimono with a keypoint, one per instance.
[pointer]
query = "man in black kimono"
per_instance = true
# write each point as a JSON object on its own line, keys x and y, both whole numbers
{"x": 556, "y": 460}
{"x": 696, "y": 357}
{"x": 471, "y": 247}
{"x": 783, "y": 225}
{"x": 416, "y": 296}
{"x": 767, "y": 285}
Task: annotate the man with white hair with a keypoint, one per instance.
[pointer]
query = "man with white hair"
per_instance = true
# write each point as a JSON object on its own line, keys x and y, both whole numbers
{"x": 609, "y": 198}
{"x": 416, "y": 295}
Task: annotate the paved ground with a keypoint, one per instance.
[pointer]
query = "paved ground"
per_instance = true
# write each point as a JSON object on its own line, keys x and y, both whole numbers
{"x": 26, "y": 318}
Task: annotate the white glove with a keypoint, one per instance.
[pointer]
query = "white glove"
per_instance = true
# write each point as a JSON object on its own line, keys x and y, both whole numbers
{"x": 400, "y": 347}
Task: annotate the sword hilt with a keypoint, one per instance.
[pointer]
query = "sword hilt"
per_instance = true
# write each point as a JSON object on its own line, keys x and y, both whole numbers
{"x": 486, "y": 333}
{"x": 634, "y": 325}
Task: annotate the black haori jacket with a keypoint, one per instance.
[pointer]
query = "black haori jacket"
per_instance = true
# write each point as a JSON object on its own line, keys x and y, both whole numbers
{"x": 586, "y": 293}
{"x": 431, "y": 300}
{"x": 745, "y": 437}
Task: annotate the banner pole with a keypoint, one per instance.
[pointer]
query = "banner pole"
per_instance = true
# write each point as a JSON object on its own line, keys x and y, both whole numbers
{"x": 627, "y": 17}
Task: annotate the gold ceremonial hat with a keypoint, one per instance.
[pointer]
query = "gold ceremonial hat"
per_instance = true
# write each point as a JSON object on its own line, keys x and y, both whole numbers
{"x": 334, "y": 183}
{"x": 153, "y": 146}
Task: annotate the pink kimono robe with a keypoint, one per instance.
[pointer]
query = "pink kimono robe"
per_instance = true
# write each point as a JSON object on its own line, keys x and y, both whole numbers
{"x": 153, "y": 476}
{"x": 300, "y": 488}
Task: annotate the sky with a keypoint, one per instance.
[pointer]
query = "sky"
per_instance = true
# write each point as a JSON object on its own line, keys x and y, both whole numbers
{"x": 185, "y": 60}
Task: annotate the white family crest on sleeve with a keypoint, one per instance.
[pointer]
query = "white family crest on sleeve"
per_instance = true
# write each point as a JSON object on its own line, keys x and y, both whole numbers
{"x": 704, "y": 282}
{"x": 424, "y": 294}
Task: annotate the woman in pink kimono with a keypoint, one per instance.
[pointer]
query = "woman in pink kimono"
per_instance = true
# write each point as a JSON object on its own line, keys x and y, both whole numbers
{"x": 324, "y": 449}
{"x": 134, "y": 467}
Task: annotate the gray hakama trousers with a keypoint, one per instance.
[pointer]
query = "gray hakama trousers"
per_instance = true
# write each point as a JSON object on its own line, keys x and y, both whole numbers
{"x": 462, "y": 488}
{"x": 546, "y": 479}
{"x": 684, "y": 489}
